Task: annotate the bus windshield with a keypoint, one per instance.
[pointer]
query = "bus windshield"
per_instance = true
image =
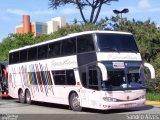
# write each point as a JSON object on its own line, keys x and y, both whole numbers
{"x": 116, "y": 43}
{"x": 128, "y": 78}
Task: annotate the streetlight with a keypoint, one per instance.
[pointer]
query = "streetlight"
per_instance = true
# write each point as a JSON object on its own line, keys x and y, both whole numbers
{"x": 125, "y": 10}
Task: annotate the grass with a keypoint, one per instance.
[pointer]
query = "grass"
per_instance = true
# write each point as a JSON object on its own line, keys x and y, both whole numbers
{"x": 153, "y": 96}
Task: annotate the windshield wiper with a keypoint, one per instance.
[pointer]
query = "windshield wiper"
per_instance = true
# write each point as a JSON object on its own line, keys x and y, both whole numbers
{"x": 109, "y": 48}
{"x": 127, "y": 49}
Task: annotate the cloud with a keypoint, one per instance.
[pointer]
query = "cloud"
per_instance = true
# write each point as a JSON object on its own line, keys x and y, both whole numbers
{"x": 21, "y": 12}
{"x": 155, "y": 10}
{"x": 17, "y": 11}
{"x": 144, "y": 4}
{"x": 43, "y": 12}
{"x": 69, "y": 11}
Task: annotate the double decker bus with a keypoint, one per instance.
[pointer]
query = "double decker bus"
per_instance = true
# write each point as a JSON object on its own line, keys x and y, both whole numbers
{"x": 93, "y": 69}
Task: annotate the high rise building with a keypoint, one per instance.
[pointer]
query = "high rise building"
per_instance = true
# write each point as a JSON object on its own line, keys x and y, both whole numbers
{"x": 40, "y": 28}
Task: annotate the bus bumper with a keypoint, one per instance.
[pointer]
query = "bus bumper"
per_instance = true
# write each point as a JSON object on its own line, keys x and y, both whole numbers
{"x": 122, "y": 105}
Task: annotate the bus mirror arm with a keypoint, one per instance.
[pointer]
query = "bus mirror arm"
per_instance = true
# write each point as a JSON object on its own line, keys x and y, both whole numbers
{"x": 151, "y": 69}
{"x": 104, "y": 72}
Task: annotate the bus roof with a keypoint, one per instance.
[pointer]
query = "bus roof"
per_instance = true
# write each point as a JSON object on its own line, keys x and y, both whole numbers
{"x": 69, "y": 36}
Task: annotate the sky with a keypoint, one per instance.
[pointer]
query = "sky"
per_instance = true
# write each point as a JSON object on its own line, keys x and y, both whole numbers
{"x": 11, "y": 12}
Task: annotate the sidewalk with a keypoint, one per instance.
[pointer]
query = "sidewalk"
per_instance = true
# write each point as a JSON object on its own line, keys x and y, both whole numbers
{"x": 152, "y": 102}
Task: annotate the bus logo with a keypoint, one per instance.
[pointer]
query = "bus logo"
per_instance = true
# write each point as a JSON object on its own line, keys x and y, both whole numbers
{"x": 118, "y": 65}
{"x": 127, "y": 97}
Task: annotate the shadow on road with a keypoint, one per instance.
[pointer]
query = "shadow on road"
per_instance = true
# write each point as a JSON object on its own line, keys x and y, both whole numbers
{"x": 66, "y": 107}
{"x": 146, "y": 107}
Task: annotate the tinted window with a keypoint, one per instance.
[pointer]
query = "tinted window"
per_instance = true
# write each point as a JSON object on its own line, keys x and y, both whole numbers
{"x": 85, "y": 43}
{"x": 64, "y": 77}
{"x": 54, "y": 49}
{"x": 70, "y": 78}
{"x": 84, "y": 79}
{"x": 68, "y": 47}
{"x": 59, "y": 77}
{"x": 116, "y": 42}
{"x": 15, "y": 57}
{"x": 23, "y": 55}
{"x": 83, "y": 75}
{"x": 32, "y": 54}
{"x": 10, "y": 58}
{"x": 93, "y": 77}
{"x": 42, "y": 52}
{"x": 89, "y": 76}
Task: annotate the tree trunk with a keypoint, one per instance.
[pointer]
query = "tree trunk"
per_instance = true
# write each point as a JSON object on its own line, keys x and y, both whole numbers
{"x": 97, "y": 14}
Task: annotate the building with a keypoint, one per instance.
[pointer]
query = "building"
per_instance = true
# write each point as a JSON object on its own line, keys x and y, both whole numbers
{"x": 40, "y": 28}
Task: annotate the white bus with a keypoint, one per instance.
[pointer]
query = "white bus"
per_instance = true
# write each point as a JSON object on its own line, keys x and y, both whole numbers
{"x": 93, "y": 69}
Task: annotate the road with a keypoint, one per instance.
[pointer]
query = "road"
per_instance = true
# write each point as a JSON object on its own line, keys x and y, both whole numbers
{"x": 11, "y": 109}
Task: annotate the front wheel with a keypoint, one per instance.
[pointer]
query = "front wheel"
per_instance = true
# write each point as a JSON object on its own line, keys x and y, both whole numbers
{"x": 74, "y": 102}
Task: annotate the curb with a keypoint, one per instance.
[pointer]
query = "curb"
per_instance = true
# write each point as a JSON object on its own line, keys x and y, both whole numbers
{"x": 152, "y": 103}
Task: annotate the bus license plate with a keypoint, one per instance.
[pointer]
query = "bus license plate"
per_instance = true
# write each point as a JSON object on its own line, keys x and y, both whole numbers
{"x": 127, "y": 105}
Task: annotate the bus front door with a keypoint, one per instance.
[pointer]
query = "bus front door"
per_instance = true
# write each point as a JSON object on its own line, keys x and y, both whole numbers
{"x": 90, "y": 78}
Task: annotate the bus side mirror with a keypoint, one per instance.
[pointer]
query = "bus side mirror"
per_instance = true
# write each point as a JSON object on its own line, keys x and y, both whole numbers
{"x": 151, "y": 69}
{"x": 104, "y": 72}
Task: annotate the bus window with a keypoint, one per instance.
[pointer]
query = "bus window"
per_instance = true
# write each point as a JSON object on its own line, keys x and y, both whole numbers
{"x": 42, "y": 52}
{"x": 32, "y": 54}
{"x": 54, "y": 49}
{"x": 15, "y": 57}
{"x": 84, "y": 79}
{"x": 65, "y": 77}
{"x": 85, "y": 44}
{"x": 116, "y": 42}
{"x": 89, "y": 77}
{"x": 10, "y": 58}
{"x": 93, "y": 78}
{"x": 59, "y": 77}
{"x": 23, "y": 55}
{"x": 70, "y": 78}
{"x": 68, "y": 47}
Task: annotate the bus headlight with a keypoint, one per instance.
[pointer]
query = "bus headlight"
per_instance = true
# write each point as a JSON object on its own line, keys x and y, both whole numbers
{"x": 141, "y": 97}
{"x": 109, "y": 99}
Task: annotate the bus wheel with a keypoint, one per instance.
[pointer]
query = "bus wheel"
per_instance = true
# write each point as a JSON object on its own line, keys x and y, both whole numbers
{"x": 21, "y": 97}
{"x": 28, "y": 97}
{"x": 75, "y": 102}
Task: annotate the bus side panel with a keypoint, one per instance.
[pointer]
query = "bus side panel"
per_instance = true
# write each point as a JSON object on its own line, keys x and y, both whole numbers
{"x": 14, "y": 81}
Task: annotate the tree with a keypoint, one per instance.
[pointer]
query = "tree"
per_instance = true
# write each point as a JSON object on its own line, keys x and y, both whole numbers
{"x": 94, "y": 5}
{"x": 14, "y": 41}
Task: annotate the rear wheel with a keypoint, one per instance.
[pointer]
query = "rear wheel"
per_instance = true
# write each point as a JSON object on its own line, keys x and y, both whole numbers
{"x": 75, "y": 102}
{"x": 21, "y": 97}
{"x": 28, "y": 97}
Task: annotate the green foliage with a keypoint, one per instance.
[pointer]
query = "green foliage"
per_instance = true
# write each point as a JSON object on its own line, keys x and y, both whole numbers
{"x": 14, "y": 41}
{"x": 153, "y": 96}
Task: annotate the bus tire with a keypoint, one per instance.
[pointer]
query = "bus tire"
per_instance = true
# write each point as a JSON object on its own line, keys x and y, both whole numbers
{"x": 28, "y": 97}
{"x": 74, "y": 102}
{"x": 21, "y": 97}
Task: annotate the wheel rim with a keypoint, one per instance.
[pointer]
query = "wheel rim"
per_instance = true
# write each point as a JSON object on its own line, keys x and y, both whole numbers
{"x": 76, "y": 102}
{"x": 28, "y": 97}
{"x": 21, "y": 96}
